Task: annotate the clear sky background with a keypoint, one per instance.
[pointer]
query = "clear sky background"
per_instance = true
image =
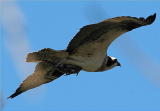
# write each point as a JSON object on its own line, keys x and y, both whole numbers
{"x": 28, "y": 26}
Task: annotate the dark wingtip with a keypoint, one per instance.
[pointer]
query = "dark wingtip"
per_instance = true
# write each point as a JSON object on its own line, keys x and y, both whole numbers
{"x": 151, "y": 19}
{"x": 18, "y": 91}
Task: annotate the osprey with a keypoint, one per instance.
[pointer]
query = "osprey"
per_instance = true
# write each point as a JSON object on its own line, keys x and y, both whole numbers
{"x": 86, "y": 51}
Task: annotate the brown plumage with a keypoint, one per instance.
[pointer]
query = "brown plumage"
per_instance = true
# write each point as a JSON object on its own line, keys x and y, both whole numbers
{"x": 86, "y": 51}
{"x": 37, "y": 78}
{"x": 118, "y": 24}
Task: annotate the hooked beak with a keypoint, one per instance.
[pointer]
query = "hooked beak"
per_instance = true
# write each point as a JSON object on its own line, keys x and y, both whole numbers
{"x": 118, "y": 64}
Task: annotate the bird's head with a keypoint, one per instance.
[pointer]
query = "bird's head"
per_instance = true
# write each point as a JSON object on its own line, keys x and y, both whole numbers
{"x": 109, "y": 63}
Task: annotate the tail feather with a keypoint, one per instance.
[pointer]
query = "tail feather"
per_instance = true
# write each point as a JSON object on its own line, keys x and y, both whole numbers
{"x": 46, "y": 54}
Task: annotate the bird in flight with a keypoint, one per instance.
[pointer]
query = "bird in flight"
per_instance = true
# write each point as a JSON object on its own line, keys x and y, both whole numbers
{"x": 86, "y": 51}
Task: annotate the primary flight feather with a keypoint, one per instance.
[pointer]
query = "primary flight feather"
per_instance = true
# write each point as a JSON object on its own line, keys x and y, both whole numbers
{"x": 86, "y": 51}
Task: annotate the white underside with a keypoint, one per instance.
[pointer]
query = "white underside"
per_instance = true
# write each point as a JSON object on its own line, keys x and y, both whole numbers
{"x": 89, "y": 64}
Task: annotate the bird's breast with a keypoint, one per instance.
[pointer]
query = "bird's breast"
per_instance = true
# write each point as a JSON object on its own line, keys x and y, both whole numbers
{"x": 88, "y": 63}
{"x": 89, "y": 56}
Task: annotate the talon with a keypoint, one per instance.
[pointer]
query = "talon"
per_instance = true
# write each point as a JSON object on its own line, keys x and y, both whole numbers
{"x": 77, "y": 73}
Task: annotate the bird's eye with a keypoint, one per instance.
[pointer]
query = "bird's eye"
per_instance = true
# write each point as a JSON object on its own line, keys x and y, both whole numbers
{"x": 115, "y": 60}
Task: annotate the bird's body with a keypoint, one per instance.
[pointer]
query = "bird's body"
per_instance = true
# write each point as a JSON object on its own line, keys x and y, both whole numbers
{"x": 86, "y": 51}
{"x": 88, "y": 60}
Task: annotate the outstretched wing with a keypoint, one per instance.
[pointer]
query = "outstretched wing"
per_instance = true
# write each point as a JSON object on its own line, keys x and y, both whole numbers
{"x": 37, "y": 78}
{"x": 102, "y": 34}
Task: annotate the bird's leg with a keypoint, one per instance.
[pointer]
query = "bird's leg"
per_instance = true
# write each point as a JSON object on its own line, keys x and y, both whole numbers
{"x": 72, "y": 73}
{"x": 77, "y": 73}
{"x": 71, "y": 69}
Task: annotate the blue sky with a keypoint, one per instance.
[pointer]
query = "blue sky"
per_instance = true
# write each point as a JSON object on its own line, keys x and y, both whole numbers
{"x": 133, "y": 87}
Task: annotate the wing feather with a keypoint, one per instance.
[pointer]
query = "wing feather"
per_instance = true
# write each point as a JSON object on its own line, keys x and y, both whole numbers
{"x": 80, "y": 37}
{"x": 37, "y": 78}
{"x": 106, "y": 31}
